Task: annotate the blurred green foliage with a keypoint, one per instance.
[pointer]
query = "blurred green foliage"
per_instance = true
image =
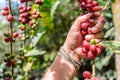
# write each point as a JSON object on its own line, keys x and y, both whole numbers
{"x": 56, "y": 19}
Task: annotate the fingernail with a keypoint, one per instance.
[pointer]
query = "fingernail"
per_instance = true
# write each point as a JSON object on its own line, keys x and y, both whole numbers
{"x": 94, "y": 30}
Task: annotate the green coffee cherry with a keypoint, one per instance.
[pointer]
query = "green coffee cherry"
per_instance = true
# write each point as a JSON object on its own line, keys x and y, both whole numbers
{"x": 92, "y": 41}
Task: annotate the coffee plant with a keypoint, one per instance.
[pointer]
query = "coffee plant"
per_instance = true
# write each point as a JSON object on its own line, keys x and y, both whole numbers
{"x": 34, "y": 37}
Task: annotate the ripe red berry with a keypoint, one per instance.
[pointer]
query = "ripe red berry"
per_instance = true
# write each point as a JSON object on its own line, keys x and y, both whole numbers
{"x": 89, "y": 30}
{"x": 38, "y": 2}
{"x": 98, "y": 51}
{"x": 83, "y": 31}
{"x": 87, "y": 74}
{"x": 7, "y": 39}
{"x": 22, "y": 28}
{"x": 90, "y": 55}
{"x": 5, "y": 8}
{"x": 84, "y": 50}
{"x": 7, "y": 78}
{"x": 89, "y": 1}
{"x": 15, "y": 35}
{"x": 93, "y": 48}
{"x": 9, "y": 17}
{"x": 84, "y": 25}
{"x": 95, "y": 3}
{"x": 5, "y": 13}
{"x": 80, "y": 1}
{"x": 86, "y": 44}
{"x": 96, "y": 8}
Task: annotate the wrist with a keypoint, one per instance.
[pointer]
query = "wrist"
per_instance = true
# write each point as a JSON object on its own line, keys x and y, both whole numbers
{"x": 71, "y": 53}
{"x": 71, "y": 57}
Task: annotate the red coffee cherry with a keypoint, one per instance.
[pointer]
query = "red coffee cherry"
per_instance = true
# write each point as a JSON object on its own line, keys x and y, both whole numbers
{"x": 5, "y": 13}
{"x": 95, "y": 3}
{"x": 90, "y": 55}
{"x": 86, "y": 44}
{"x": 87, "y": 74}
{"x": 80, "y": 0}
{"x": 15, "y": 35}
{"x": 9, "y": 17}
{"x": 7, "y": 78}
{"x": 7, "y": 39}
{"x": 98, "y": 51}
{"x": 84, "y": 50}
{"x": 5, "y": 8}
{"x": 96, "y": 8}
{"x": 89, "y": 1}
{"x": 84, "y": 25}
{"x": 93, "y": 48}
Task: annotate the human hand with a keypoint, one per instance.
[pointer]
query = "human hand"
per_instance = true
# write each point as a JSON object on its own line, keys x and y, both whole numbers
{"x": 73, "y": 42}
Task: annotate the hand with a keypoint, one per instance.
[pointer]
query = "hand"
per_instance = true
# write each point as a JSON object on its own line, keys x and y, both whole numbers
{"x": 74, "y": 38}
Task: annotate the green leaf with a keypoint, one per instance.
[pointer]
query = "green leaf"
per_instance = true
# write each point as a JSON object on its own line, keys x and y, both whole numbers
{"x": 36, "y": 39}
{"x": 109, "y": 32}
{"x": 27, "y": 67}
{"x": 114, "y": 46}
{"x": 54, "y": 7}
{"x": 35, "y": 52}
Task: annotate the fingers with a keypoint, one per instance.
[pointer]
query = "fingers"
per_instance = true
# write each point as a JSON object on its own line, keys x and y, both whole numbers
{"x": 97, "y": 28}
{"x": 79, "y": 20}
{"x": 94, "y": 36}
{"x": 79, "y": 52}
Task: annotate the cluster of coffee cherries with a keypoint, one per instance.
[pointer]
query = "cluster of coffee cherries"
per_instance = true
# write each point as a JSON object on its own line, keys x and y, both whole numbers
{"x": 24, "y": 14}
{"x": 9, "y": 37}
{"x": 90, "y": 47}
{"x": 6, "y": 13}
{"x": 87, "y": 75}
{"x": 10, "y": 61}
{"x": 39, "y": 2}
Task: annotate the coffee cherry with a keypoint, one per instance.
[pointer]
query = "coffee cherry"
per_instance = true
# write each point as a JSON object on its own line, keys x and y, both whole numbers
{"x": 90, "y": 55}
{"x": 80, "y": 0}
{"x": 7, "y": 39}
{"x": 87, "y": 74}
{"x": 5, "y": 8}
{"x": 12, "y": 61}
{"x": 83, "y": 32}
{"x": 98, "y": 51}
{"x": 5, "y": 13}
{"x": 7, "y": 78}
{"x": 89, "y": 1}
{"x": 8, "y": 64}
{"x": 96, "y": 8}
{"x": 7, "y": 34}
{"x": 86, "y": 44}
{"x": 92, "y": 41}
{"x": 89, "y": 30}
{"x": 93, "y": 48}
{"x": 15, "y": 35}
{"x": 22, "y": 28}
{"x": 10, "y": 17}
{"x": 84, "y": 25}
{"x": 95, "y": 3}
{"x": 84, "y": 50}
{"x": 38, "y": 2}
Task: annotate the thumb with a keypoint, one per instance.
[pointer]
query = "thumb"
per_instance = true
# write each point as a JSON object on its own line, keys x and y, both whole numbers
{"x": 79, "y": 20}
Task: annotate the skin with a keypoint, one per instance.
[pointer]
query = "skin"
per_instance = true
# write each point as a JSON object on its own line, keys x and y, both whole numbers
{"x": 61, "y": 69}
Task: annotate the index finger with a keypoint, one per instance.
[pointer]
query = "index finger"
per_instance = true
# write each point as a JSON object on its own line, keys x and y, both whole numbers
{"x": 97, "y": 28}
